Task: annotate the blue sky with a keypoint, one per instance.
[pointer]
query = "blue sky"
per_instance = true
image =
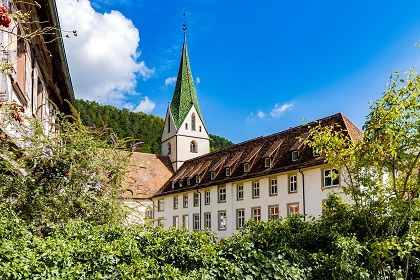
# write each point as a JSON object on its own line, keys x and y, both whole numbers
{"x": 264, "y": 67}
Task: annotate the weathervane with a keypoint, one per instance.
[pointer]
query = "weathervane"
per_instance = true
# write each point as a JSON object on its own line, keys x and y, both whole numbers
{"x": 184, "y": 28}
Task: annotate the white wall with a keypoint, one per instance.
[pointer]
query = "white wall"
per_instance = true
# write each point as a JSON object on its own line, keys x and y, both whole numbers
{"x": 314, "y": 196}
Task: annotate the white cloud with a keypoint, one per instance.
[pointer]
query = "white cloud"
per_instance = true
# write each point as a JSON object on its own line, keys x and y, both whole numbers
{"x": 278, "y": 110}
{"x": 261, "y": 114}
{"x": 197, "y": 80}
{"x": 103, "y": 58}
{"x": 170, "y": 81}
{"x": 146, "y": 105}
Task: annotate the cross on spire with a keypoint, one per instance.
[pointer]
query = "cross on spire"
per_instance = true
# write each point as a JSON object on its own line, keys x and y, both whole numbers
{"x": 184, "y": 28}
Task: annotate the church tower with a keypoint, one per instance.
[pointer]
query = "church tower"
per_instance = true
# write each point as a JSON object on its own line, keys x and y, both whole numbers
{"x": 184, "y": 136}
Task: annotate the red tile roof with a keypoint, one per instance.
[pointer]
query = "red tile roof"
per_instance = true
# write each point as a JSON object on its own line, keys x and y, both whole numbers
{"x": 277, "y": 146}
{"x": 146, "y": 174}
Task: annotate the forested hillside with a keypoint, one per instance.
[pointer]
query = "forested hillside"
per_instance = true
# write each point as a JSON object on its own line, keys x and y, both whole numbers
{"x": 136, "y": 125}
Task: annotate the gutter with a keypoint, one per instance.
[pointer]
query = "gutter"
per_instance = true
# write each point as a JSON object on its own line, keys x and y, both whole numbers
{"x": 303, "y": 194}
{"x": 63, "y": 58}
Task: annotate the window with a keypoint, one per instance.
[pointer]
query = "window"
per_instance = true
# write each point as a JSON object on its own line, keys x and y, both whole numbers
{"x": 196, "y": 199}
{"x": 185, "y": 201}
{"x": 227, "y": 171}
{"x": 246, "y": 167}
{"x": 197, "y": 179}
{"x": 222, "y": 193}
{"x": 173, "y": 184}
{"x": 169, "y": 149}
{"x": 256, "y": 213}
{"x": 240, "y": 218}
{"x": 161, "y": 205}
{"x": 331, "y": 178}
{"x": 188, "y": 181}
{"x": 175, "y": 221}
{"x": 273, "y": 212}
{"x": 295, "y": 155}
{"x": 175, "y": 202}
{"x": 196, "y": 222}
{"x": 193, "y": 121}
{"x": 212, "y": 175}
{"x": 273, "y": 186}
{"x": 267, "y": 162}
{"x": 292, "y": 209}
{"x": 148, "y": 213}
{"x": 207, "y": 197}
{"x": 199, "y": 128}
{"x": 186, "y": 126}
{"x": 180, "y": 183}
{"x": 160, "y": 222}
{"x": 292, "y": 184}
{"x": 207, "y": 220}
{"x": 239, "y": 192}
{"x": 255, "y": 189}
{"x": 222, "y": 220}
{"x": 185, "y": 221}
{"x": 193, "y": 147}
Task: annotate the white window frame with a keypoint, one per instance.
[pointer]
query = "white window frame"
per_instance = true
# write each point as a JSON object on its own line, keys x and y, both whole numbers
{"x": 185, "y": 221}
{"x": 196, "y": 199}
{"x": 207, "y": 197}
{"x": 175, "y": 222}
{"x": 161, "y": 205}
{"x": 295, "y": 155}
{"x": 255, "y": 189}
{"x": 207, "y": 220}
{"x": 227, "y": 171}
{"x": 196, "y": 222}
{"x": 240, "y": 218}
{"x": 176, "y": 202}
{"x": 197, "y": 179}
{"x": 271, "y": 214}
{"x": 256, "y": 213}
{"x": 293, "y": 204}
{"x": 240, "y": 192}
{"x": 267, "y": 162}
{"x": 246, "y": 167}
{"x": 326, "y": 177}
{"x": 188, "y": 181}
{"x": 273, "y": 187}
{"x": 185, "y": 201}
{"x": 292, "y": 184}
{"x": 222, "y": 220}
{"x": 221, "y": 194}
{"x": 212, "y": 175}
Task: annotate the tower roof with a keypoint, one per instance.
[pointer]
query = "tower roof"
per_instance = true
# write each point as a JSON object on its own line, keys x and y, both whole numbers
{"x": 185, "y": 95}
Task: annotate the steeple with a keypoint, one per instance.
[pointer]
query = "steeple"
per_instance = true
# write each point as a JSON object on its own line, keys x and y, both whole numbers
{"x": 184, "y": 136}
{"x": 185, "y": 95}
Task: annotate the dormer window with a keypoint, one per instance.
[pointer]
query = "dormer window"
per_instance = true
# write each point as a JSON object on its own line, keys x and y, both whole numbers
{"x": 267, "y": 162}
{"x": 180, "y": 183}
{"x": 227, "y": 171}
{"x": 197, "y": 179}
{"x": 173, "y": 185}
{"x": 212, "y": 175}
{"x": 246, "y": 167}
{"x": 295, "y": 155}
{"x": 188, "y": 181}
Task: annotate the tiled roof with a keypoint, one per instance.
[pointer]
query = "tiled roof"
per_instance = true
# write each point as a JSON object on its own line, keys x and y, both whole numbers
{"x": 277, "y": 146}
{"x": 146, "y": 174}
{"x": 184, "y": 95}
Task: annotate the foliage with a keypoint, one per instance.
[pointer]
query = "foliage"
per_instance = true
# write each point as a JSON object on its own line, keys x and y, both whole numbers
{"x": 133, "y": 125}
{"x": 49, "y": 179}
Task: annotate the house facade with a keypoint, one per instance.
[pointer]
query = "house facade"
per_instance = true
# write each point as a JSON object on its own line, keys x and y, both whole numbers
{"x": 34, "y": 73}
{"x": 261, "y": 179}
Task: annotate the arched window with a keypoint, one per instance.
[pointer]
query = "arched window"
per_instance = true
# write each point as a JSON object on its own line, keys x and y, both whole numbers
{"x": 193, "y": 122}
{"x": 193, "y": 147}
{"x": 169, "y": 148}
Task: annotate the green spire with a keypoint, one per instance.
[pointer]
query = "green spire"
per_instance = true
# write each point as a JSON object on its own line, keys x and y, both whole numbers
{"x": 184, "y": 95}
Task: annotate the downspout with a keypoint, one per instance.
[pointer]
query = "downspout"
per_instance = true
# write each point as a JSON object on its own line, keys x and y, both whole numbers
{"x": 200, "y": 208}
{"x": 303, "y": 194}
